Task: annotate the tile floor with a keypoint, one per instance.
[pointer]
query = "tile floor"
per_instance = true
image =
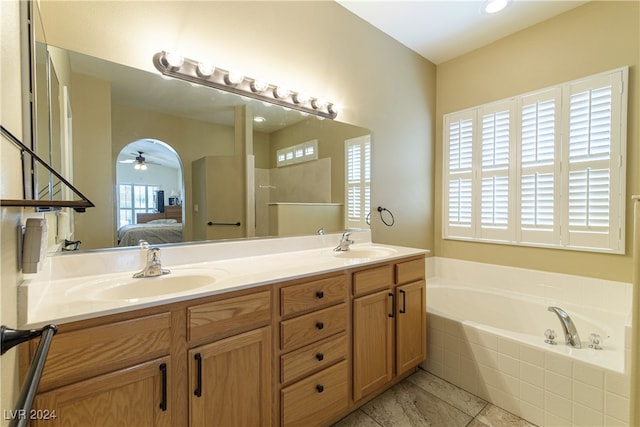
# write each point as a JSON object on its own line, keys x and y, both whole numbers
{"x": 426, "y": 400}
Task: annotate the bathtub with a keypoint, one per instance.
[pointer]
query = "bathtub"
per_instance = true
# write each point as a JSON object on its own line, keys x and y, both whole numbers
{"x": 486, "y": 327}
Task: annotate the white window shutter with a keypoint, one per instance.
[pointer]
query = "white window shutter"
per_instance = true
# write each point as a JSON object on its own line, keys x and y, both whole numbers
{"x": 539, "y": 171}
{"x": 358, "y": 181}
{"x": 593, "y": 110}
{"x": 546, "y": 168}
{"x": 497, "y": 143}
{"x": 458, "y": 209}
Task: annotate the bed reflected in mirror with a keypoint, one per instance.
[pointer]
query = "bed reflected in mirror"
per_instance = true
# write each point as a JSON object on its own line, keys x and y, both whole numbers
{"x": 146, "y": 212}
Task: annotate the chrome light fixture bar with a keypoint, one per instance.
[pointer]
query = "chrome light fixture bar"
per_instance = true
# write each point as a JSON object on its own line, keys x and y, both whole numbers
{"x": 172, "y": 65}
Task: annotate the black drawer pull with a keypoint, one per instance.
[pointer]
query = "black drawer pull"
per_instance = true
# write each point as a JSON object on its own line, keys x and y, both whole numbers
{"x": 198, "y": 390}
{"x": 393, "y": 304}
{"x": 320, "y": 325}
{"x": 319, "y": 294}
{"x": 320, "y": 357}
{"x": 404, "y": 302}
{"x": 163, "y": 371}
{"x": 320, "y": 388}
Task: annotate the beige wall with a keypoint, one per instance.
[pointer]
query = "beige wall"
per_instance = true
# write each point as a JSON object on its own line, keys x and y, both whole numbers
{"x": 330, "y": 136}
{"x": 388, "y": 89}
{"x": 93, "y": 174}
{"x": 589, "y": 39}
{"x": 10, "y": 188}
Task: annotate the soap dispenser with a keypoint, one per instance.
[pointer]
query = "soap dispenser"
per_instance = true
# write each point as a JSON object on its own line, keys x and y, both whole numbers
{"x": 34, "y": 247}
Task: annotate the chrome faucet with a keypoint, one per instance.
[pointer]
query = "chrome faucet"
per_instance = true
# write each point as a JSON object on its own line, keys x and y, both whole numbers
{"x": 345, "y": 242}
{"x": 153, "y": 267}
{"x": 571, "y": 336}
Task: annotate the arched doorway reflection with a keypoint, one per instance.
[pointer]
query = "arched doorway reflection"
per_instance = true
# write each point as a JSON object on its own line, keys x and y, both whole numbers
{"x": 149, "y": 194}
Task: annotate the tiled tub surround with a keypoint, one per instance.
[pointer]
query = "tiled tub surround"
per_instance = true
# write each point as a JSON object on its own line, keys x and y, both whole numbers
{"x": 59, "y": 293}
{"x": 486, "y": 327}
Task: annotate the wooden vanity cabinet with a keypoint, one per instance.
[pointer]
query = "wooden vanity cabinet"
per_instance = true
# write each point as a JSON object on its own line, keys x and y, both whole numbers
{"x": 301, "y": 352}
{"x": 314, "y": 350}
{"x": 135, "y": 396}
{"x": 389, "y": 324}
{"x": 140, "y": 368}
{"x": 110, "y": 374}
{"x": 230, "y": 377}
{"x": 230, "y": 381}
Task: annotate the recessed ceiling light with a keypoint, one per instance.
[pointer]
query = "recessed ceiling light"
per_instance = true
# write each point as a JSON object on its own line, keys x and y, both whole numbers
{"x": 494, "y": 6}
{"x": 259, "y": 119}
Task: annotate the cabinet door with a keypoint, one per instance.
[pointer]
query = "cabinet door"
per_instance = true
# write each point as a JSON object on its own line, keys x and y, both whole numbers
{"x": 132, "y": 397}
{"x": 372, "y": 342}
{"x": 230, "y": 381}
{"x": 411, "y": 326}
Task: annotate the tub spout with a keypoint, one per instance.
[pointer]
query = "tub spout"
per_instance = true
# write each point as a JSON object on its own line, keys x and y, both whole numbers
{"x": 571, "y": 336}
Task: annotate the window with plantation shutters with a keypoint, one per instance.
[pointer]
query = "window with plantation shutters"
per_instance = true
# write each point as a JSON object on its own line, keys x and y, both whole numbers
{"x": 594, "y": 160}
{"x": 459, "y": 171}
{"x": 539, "y": 167}
{"x": 545, "y": 169}
{"x": 358, "y": 181}
{"x": 496, "y": 138}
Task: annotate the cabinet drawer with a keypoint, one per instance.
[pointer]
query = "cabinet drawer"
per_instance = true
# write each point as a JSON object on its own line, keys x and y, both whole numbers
{"x": 229, "y": 315}
{"x": 317, "y": 399}
{"x": 410, "y": 271}
{"x": 85, "y": 353}
{"x": 372, "y": 279}
{"x": 313, "y": 357}
{"x": 314, "y": 294}
{"x": 312, "y": 327}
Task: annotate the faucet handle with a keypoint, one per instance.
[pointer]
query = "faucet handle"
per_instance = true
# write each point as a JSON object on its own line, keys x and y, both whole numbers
{"x": 550, "y": 336}
{"x": 153, "y": 254}
{"x": 595, "y": 341}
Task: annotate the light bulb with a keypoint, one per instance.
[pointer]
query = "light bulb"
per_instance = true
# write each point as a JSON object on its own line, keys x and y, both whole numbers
{"x": 205, "y": 69}
{"x": 319, "y": 103}
{"x": 281, "y": 92}
{"x": 143, "y": 167}
{"x": 333, "y": 108}
{"x": 300, "y": 97}
{"x": 259, "y": 85}
{"x": 136, "y": 166}
{"x": 233, "y": 78}
{"x": 173, "y": 59}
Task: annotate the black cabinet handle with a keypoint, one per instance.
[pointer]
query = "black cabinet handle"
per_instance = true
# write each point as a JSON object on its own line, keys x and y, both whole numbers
{"x": 163, "y": 370}
{"x": 198, "y": 390}
{"x": 320, "y": 388}
{"x": 319, "y": 294}
{"x": 320, "y": 357}
{"x": 320, "y": 325}
{"x": 393, "y": 304}
{"x": 404, "y": 302}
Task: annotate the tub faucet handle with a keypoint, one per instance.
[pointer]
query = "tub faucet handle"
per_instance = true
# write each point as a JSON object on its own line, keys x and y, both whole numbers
{"x": 550, "y": 336}
{"x": 595, "y": 341}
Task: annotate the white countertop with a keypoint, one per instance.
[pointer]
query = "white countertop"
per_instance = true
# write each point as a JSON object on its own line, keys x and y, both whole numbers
{"x": 65, "y": 290}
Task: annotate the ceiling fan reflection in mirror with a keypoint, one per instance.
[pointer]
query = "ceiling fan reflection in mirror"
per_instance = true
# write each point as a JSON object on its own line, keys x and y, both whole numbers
{"x": 139, "y": 162}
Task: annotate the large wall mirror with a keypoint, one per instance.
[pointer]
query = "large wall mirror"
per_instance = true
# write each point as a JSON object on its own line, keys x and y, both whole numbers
{"x": 166, "y": 161}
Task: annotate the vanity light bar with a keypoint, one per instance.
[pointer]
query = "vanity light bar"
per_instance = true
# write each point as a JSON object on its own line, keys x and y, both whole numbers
{"x": 172, "y": 65}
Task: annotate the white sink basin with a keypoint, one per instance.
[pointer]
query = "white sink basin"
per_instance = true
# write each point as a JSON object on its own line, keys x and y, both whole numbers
{"x": 365, "y": 252}
{"x": 126, "y": 288}
{"x": 153, "y": 286}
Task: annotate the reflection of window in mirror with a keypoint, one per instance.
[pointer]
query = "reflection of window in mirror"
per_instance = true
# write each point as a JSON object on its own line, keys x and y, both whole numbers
{"x": 358, "y": 181}
{"x": 134, "y": 199}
